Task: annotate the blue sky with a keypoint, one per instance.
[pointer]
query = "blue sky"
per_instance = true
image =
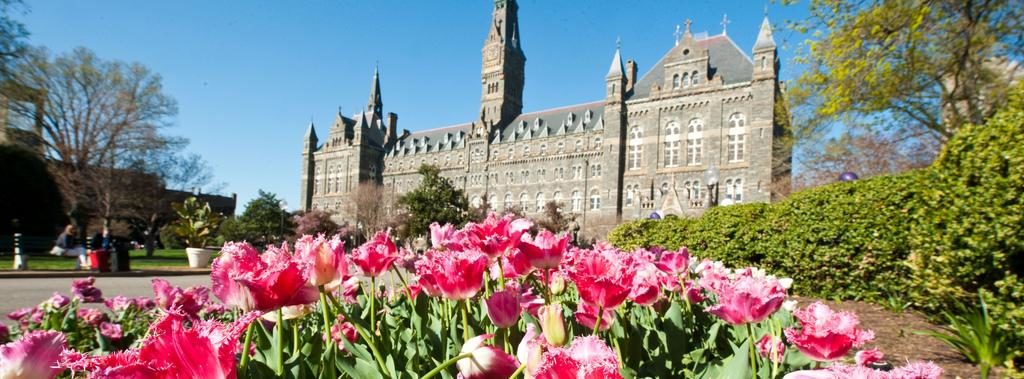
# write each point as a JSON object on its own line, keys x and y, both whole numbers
{"x": 249, "y": 75}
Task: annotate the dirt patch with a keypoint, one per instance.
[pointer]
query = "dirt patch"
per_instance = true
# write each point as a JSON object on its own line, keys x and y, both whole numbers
{"x": 895, "y": 336}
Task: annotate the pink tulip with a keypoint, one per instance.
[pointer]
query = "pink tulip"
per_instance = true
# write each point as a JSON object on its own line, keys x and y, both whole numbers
{"x": 544, "y": 251}
{"x": 446, "y": 237}
{"x": 693, "y": 293}
{"x": 458, "y": 275}
{"x": 647, "y": 283}
{"x": 747, "y": 299}
{"x": 244, "y": 278}
{"x": 19, "y": 314}
{"x": 675, "y": 264}
{"x": 552, "y": 324}
{"x": 91, "y": 316}
{"x": 503, "y": 308}
{"x": 485, "y": 361}
{"x": 868, "y": 357}
{"x": 323, "y": 259}
{"x": 376, "y": 256}
{"x": 84, "y": 290}
{"x": 190, "y": 301}
{"x": 119, "y": 364}
{"x": 771, "y": 348}
{"x": 826, "y": 335}
{"x": 495, "y": 236}
{"x": 343, "y": 329}
{"x": 111, "y": 331}
{"x": 603, "y": 277}
{"x": 587, "y": 357}
{"x": 530, "y": 350}
{"x": 33, "y": 356}
{"x": 586, "y": 316}
{"x": 914, "y": 370}
{"x": 57, "y": 301}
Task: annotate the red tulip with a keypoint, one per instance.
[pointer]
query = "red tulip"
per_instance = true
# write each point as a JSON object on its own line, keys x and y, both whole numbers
{"x": 748, "y": 299}
{"x": 914, "y": 370}
{"x": 586, "y": 315}
{"x": 244, "y": 278}
{"x": 647, "y": 283}
{"x": 503, "y": 308}
{"x": 323, "y": 259}
{"x": 34, "y": 356}
{"x": 587, "y": 357}
{"x": 458, "y": 275}
{"x": 675, "y": 264}
{"x": 868, "y": 357}
{"x": 496, "y": 236}
{"x": 546, "y": 250}
{"x": 485, "y": 361}
{"x": 603, "y": 277}
{"x": 826, "y": 335}
{"x": 376, "y": 256}
{"x": 771, "y": 347}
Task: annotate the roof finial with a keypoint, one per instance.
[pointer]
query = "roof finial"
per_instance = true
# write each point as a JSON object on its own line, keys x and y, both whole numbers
{"x": 725, "y": 23}
{"x": 677, "y": 34}
{"x": 339, "y": 110}
{"x": 618, "y": 43}
{"x": 765, "y": 10}
{"x": 688, "y": 22}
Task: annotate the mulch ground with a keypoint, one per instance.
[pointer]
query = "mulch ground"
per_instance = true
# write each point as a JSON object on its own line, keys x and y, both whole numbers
{"x": 895, "y": 336}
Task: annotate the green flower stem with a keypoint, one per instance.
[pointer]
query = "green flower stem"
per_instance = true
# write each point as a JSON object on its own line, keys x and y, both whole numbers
{"x": 501, "y": 275}
{"x": 753, "y": 351}
{"x": 279, "y": 370}
{"x": 366, "y": 337}
{"x": 465, "y": 321}
{"x": 295, "y": 337}
{"x": 597, "y": 324}
{"x": 444, "y": 365}
{"x": 518, "y": 371}
{"x": 327, "y": 315}
{"x": 405, "y": 283}
{"x": 777, "y": 332}
{"x": 373, "y": 308}
{"x": 243, "y": 366}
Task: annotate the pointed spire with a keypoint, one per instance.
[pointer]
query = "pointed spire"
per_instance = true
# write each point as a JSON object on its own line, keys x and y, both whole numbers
{"x": 311, "y": 132}
{"x": 375, "y": 103}
{"x": 764, "y": 37}
{"x": 616, "y": 69}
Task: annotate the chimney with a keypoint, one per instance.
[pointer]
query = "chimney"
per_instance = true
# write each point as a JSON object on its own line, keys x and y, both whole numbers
{"x": 391, "y": 135}
{"x": 630, "y": 75}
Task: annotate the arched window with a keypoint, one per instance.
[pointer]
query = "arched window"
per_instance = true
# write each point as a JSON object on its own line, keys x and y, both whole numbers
{"x": 543, "y": 149}
{"x": 664, "y": 189}
{"x": 733, "y": 191}
{"x": 694, "y": 78}
{"x": 524, "y": 202}
{"x": 597, "y": 143}
{"x": 694, "y": 141}
{"x": 672, "y": 142}
{"x": 475, "y": 202}
{"x": 561, "y": 146}
{"x": 577, "y": 201}
{"x": 492, "y": 201}
{"x": 595, "y": 199}
{"x": 579, "y": 145}
{"x": 511, "y": 153}
{"x": 675, "y": 81}
{"x": 595, "y": 170}
{"x": 557, "y": 197}
{"x": 635, "y": 153}
{"x": 737, "y": 137}
{"x": 508, "y": 200}
{"x": 764, "y": 63}
{"x": 540, "y": 202}
{"x": 526, "y": 150}
{"x": 686, "y": 80}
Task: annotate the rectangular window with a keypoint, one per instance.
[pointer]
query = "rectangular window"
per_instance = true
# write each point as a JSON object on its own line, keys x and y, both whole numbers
{"x": 693, "y": 151}
{"x": 672, "y": 153}
{"x": 735, "y": 147}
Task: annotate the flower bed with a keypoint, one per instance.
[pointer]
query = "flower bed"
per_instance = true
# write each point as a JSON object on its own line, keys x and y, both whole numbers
{"x": 490, "y": 300}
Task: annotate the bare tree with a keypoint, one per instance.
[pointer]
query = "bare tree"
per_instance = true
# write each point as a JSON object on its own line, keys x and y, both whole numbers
{"x": 867, "y": 153}
{"x": 372, "y": 205}
{"x": 554, "y": 219}
{"x": 95, "y": 115}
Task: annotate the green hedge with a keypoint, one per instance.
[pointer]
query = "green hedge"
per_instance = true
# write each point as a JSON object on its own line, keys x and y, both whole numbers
{"x": 934, "y": 236}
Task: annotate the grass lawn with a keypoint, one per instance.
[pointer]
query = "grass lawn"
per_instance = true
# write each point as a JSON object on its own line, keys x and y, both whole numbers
{"x": 161, "y": 259}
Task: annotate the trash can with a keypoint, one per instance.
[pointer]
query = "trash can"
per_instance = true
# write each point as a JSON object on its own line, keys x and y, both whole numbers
{"x": 99, "y": 260}
{"x": 121, "y": 256}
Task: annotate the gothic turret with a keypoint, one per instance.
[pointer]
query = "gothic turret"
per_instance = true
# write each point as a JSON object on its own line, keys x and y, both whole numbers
{"x": 375, "y": 104}
{"x": 616, "y": 79}
{"x": 766, "y": 63}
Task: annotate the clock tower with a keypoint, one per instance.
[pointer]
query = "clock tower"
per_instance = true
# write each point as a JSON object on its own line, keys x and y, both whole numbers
{"x": 501, "y": 78}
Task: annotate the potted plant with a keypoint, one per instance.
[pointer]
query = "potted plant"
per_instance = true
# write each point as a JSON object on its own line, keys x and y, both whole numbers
{"x": 196, "y": 225}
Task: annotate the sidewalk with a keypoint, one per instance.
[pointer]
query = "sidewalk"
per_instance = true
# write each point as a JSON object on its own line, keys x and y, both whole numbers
{"x": 166, "y": 271}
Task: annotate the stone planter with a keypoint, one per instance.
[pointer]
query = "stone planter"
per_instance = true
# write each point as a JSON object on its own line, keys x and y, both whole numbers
{"x": 199, "y": 258}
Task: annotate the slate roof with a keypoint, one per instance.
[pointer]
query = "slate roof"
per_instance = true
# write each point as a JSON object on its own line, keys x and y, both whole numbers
{"x": 556, "y": 121}
{"x": 726, "y": 59}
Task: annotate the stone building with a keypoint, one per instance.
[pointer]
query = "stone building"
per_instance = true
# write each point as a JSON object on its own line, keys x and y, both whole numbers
{"x": 646, "y": 146}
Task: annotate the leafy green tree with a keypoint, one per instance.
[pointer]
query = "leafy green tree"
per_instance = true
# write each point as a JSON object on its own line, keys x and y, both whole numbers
{"x": 435, "y": 200}
{"x": 926, "y": 65}
{"x": 263, "y": 222}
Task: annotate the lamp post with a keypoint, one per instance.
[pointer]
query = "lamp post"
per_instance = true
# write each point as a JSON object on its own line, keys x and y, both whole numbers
{"x": 284, "y": 209}
{"x": 359, "y": 232}
{"x": 711, "y": 177}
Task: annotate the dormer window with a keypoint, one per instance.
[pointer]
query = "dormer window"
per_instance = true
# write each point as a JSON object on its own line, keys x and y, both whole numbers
{"x": 571, "y": 118}
{"x": 537, "y": 123}
{"x": 587, "y": 116}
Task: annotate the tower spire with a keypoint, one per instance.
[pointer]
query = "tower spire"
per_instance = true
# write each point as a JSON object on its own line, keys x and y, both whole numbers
{"x": 764, "y": 37}
{"x": 375, "y": 103}
{"x": 617, "y": 69}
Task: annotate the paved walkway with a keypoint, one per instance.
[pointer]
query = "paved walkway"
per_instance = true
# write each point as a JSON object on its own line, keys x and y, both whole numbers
{"x": 18, "y": 293}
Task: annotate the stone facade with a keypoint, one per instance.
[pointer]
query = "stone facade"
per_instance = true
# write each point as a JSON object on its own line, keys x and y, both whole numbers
{"x": 644, "y": 148}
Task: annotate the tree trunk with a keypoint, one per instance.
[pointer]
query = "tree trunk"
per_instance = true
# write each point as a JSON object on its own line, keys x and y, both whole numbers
{"x": 152, "y": 230}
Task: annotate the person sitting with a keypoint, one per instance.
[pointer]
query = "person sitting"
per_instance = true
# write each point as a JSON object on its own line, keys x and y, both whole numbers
{"x": 102, "y": 240}
{"x": 65, "y": 247}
